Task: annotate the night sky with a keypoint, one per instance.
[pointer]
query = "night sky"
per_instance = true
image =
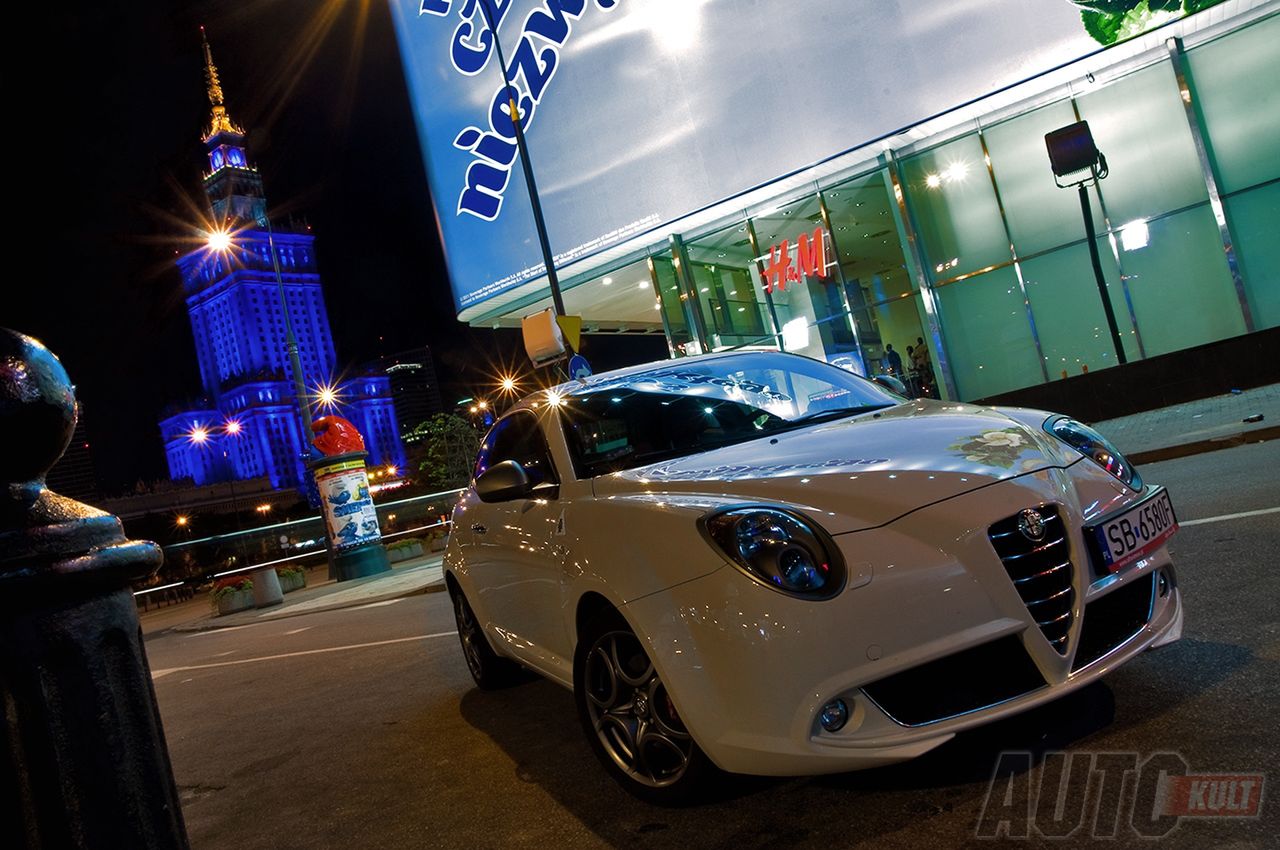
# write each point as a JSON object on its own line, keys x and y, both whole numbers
{"x": 106, "y": 106}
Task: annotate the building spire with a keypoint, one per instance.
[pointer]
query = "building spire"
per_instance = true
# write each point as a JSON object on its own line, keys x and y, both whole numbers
{"x": 221, "y": 122}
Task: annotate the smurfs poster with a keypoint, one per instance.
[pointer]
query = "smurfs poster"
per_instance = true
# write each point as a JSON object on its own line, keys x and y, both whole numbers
{"x": 348, "y": 506}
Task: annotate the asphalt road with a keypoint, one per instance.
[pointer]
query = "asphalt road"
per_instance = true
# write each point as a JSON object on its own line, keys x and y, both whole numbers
{"x": 361, "y": 728}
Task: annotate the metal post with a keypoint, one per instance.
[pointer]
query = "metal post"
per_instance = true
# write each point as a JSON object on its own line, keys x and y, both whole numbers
{"x": 83, "y": 761}
{"x": 291, "y": 346}
{"x": 1092, "y": 239}
{"x": 266, "y": 582}
{"x": 526, "y": 164}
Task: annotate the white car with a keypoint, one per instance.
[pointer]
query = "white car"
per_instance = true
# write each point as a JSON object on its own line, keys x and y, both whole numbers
{"x": 765, "y": 564}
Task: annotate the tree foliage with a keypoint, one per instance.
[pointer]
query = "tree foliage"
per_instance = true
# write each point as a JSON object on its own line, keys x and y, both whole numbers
{"x": 443, "y": 449}
{"x": 1110, "y": 21}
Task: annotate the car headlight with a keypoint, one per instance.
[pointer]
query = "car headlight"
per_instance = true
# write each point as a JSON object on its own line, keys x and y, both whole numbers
{"x": 1096, "y": 447}
{"x": 778, "y": 548}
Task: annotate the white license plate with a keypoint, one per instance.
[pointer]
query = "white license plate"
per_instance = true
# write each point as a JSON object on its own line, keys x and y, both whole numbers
{"x": 1137, "y": 531}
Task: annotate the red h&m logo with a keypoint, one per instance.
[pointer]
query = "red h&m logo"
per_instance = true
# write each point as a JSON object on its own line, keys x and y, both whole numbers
{"x": 812, "y": 261}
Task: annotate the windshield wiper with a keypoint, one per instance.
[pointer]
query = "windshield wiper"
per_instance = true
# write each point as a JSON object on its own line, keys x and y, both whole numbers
{"x": 834, "y": 413}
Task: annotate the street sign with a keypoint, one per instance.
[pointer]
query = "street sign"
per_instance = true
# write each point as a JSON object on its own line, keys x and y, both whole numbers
{"x": 579, "y": 368}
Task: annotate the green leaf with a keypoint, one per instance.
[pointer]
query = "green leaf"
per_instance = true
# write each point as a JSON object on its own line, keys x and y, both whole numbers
{"x": 1104, "y": 28}
{"x": 1193, "y": 6}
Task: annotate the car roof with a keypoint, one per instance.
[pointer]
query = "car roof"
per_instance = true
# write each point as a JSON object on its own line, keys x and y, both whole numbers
{"x": 572, "y": 387}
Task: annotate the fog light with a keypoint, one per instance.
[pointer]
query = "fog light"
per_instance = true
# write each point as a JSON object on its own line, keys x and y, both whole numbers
{"x": 834, "y": 715}
{"x": 1162, "y": 584}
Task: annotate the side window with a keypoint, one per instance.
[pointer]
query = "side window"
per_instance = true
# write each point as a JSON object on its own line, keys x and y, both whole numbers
{"x": 518, "y": 437}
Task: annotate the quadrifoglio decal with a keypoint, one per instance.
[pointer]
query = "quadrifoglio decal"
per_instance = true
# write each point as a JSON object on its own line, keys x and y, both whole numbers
{"x": 531, "y": 67}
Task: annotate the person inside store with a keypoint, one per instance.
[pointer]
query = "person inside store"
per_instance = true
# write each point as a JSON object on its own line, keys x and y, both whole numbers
{"x": 892, "y": 361}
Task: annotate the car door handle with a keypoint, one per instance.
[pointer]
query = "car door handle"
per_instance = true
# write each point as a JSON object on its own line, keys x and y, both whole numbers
{"x": 478, "y": 528}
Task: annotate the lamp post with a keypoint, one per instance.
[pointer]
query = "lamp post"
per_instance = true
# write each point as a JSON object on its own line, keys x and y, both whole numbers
{"x": 202, "y": 437}
{"x": 1075, "y": 157}
{"x": 266, "y": 584}
{"x": 526, "y": 164}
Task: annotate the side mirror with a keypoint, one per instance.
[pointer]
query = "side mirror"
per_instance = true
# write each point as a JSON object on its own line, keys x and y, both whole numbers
{"x": 890, "y": 383}
{"x": 503, "y": 482}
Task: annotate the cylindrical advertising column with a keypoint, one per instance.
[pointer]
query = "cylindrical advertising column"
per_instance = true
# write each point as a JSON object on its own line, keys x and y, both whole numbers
{"x": 351, "y": 521}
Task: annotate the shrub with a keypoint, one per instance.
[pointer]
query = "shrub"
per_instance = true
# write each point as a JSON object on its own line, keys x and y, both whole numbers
{"x": 231, "y": 584}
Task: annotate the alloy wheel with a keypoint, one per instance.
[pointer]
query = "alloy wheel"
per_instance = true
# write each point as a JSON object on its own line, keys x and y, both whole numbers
{"x": 632, "y": 713}
{"x": 469, "y": 634}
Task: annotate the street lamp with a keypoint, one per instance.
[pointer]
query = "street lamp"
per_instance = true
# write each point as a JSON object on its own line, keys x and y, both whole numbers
{"x": 220, "y": 241}
{"x": 1075, "y": 158}
{"x": 201, "y": 435}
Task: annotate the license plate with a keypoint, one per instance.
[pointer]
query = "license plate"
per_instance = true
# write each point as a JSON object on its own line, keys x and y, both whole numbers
{"x": 1126, "y": 537}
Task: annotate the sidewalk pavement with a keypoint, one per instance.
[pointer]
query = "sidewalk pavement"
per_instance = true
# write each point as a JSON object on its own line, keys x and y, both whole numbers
{"x": 409, "y": 578}
{"x": 1177, "y": 431}
{"x": 1197, "y": 426}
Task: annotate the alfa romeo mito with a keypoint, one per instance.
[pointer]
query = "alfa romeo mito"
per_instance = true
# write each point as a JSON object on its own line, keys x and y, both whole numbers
{"x": 760, "y": 563}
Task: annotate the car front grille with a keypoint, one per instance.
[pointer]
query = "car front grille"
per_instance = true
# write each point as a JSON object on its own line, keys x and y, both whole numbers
{"x": 962, "y": 682}
{"x": 1113, "y": 619}
{"x": 1041, "y": 571}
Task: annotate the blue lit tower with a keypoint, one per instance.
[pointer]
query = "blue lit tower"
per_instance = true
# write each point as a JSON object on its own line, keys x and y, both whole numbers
{"x": 247, "y": 424}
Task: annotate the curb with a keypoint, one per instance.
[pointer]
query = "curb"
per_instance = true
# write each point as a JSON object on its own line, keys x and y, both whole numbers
{"x": 210, "y": 625}
{"x": 1213, "y": 444}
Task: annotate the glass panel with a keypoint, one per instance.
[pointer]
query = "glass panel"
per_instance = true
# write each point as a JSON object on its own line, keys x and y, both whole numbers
{"x": 955, "y": 207}
{"x": 732, "y": 305}
{"x": 1140, "y": 125}
{"x": 893, "y": 343}
{"x": 1041, "y": 216}
{"x": 1182, "y": 292}
{"x": 1255, "y": 218}
{"x": 870, "y": 254}
{"x": 672, "y": 304}
{"x": 812, "y": 313}
{"x": 620, "y": 298}
{"x": 988, "y": 338}
{"x": 1235, "y": 78}
{"x": 1068, "y": 310}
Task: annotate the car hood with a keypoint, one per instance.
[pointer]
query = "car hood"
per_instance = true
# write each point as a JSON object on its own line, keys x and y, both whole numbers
{"x": 859, "y": 472}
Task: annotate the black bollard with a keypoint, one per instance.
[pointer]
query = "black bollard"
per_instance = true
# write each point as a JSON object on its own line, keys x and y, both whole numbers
{"x": 83, "y": 761}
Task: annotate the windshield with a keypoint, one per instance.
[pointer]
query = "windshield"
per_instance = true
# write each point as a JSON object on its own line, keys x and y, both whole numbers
{"x": 614, "y": 423}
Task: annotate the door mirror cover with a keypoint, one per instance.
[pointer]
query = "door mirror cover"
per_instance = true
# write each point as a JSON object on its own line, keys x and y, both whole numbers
{"x": 504, "y": 482}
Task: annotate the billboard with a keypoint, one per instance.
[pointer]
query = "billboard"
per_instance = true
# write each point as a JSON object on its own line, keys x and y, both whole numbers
{"x": 638, "y": 112}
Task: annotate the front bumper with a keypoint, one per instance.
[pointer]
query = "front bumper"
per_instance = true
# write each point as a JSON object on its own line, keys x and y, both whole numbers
{"x": 750, "y": 669}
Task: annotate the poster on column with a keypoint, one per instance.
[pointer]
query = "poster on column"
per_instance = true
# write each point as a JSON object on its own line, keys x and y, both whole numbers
{"x": 348, "y": 506}
{"x": 640, "y": 112}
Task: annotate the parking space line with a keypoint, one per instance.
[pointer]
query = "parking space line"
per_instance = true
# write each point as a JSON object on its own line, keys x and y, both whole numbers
{"x": 1225, "y": 517}
{"x": 156, "y": 674}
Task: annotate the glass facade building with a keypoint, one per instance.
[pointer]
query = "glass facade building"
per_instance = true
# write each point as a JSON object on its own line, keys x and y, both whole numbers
{"x": 953, "y": 236}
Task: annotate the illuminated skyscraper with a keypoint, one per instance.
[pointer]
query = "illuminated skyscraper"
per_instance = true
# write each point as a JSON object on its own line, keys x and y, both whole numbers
{"x": 247, "y": 424}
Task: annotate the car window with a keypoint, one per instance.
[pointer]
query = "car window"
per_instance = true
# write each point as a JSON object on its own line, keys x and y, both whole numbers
{"x": 622, "y": 422}
{"x": 518, "y": 437}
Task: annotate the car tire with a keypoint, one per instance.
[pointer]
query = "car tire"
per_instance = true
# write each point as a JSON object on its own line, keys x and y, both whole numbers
{"x": 490, "y": 670}
{"x": 630, "y": 720}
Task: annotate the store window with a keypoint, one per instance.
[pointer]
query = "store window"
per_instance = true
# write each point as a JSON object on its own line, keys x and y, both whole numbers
{"x": 669, "y": 297}
{"x": 956, "y": 209}
{"x": 1074, "y": 337}
{"x": 1041, "y": 216}
{"x": 721, "y": 269}
{"x": 1235, "y": 83}
{"x": 1177, "y": 273}
{"x": 989, "y": 338}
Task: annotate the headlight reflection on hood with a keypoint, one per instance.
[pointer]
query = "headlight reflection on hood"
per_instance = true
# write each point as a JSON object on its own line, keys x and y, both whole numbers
{"x": 782, "y": 549}
{"x": 1096, "y": 447}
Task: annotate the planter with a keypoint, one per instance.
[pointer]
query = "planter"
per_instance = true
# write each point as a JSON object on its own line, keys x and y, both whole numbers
{"x": 239, "y": 600}
{"x": 292, "y": 581}
{"x": 404, "y": 551}
{"x": 437, "y": 543}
